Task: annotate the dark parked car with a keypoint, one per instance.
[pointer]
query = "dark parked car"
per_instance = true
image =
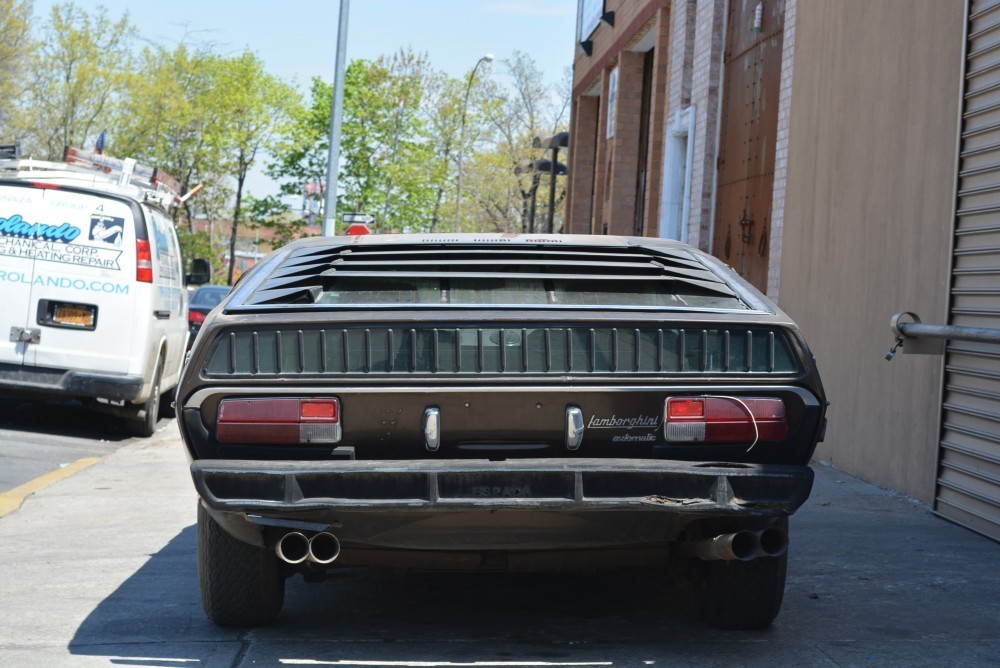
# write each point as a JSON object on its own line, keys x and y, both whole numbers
{"x": 497, "y": 402}
{"x": 202, "y": 301}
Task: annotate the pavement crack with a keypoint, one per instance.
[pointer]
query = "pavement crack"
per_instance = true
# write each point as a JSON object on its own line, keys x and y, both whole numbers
{"x": 246, "y": 640}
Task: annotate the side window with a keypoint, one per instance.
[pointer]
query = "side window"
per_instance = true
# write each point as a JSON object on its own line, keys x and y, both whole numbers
{"x": 168, "y": 261}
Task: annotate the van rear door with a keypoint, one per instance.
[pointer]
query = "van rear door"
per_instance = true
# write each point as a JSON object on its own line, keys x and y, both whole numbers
{"x": 16, "y": 271}
{"x": 82, "y": 293}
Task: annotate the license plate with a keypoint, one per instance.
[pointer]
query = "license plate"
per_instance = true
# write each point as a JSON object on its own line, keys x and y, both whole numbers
{"x": 73, "y": 316}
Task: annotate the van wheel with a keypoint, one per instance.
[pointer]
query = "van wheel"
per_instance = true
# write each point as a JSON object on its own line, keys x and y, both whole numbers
{"x": 167, "y": 411}
{"x": 241, "y": 584}
{"x": 145, "y": 426}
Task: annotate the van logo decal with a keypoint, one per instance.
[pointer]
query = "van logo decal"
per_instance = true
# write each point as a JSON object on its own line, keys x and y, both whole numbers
{"x": 16, "y": 226}
{"x": 79, "y": 284}
{"x": 106, "y": 229}
{"x": 49, "y": 243}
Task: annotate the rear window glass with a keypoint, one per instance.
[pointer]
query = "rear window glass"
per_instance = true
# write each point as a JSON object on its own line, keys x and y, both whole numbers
{"x": 210, "y": 297}
{"x": 524, "y": 292}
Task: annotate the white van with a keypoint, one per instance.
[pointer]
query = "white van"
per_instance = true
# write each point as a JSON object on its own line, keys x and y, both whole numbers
{"x": 93, "y": 304}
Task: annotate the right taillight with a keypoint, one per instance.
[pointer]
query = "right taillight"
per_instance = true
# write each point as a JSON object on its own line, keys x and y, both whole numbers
{"x": 724, "y": 420}
{"x": 195, "y": 317}
{"x": 143, "y": 261}
{"x": 279, "y": 420}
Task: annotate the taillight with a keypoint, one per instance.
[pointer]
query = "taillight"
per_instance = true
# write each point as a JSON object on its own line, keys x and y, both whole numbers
{"x": 195, "y": 317}
{"x": 285, "y": 420}
{"x": 725, "y": 420}
{"x": 143, "y": 261}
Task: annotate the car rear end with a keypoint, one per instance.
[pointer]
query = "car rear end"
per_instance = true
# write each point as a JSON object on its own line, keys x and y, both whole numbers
{"x": 500, "y": 403}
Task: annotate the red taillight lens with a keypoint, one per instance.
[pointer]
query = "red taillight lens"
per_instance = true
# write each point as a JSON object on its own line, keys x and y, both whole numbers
{"x": 725, "y": 420}
{"x": 285, "y": 420}
{"x": 195, "y": 317}
{"x": 143, "y": 261}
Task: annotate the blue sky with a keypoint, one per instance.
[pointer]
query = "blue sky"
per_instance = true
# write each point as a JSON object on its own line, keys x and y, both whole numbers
{"x": 297, "y": 40}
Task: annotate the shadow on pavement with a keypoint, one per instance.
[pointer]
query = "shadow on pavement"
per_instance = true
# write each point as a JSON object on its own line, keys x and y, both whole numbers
{"x": 873, "y": 579}
{"x": 60, "y": 418}
{"x": 368, "y": 617}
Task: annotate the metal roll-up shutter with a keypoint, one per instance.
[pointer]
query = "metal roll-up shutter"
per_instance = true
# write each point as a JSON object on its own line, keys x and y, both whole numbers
{"x": 968, "y": 490}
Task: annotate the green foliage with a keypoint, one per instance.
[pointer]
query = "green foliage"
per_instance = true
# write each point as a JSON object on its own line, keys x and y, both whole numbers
{"x": 16, "y": 49}
{"x": 206, "y": 118}
{"x": 198, "y": 245}
{"x": 172, "y": 120}
{"x": 79, "y": 77}
{"x": 275, "y": 219}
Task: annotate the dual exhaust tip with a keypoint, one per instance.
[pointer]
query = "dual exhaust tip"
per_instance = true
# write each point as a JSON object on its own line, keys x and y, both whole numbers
{"x": 296, "y": 547}
{"x": 741, "y": 545}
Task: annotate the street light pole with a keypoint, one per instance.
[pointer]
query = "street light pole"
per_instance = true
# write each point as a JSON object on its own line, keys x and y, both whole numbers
{"x": 488, "y": 58}
{"x": 336, "y": 118}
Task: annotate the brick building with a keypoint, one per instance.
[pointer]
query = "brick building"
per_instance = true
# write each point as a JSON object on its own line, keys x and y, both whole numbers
{"x": 844, "y": 157}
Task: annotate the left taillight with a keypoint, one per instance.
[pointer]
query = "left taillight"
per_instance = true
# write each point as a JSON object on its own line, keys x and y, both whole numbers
{"x": 143, "y": 261}
{"x": 281, "y": 420}
{"x": 725, "y": 420}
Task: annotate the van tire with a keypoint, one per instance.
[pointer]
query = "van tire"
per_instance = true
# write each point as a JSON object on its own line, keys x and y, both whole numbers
{"x": 167, "y": 410}
{"x": 145, "y": 426}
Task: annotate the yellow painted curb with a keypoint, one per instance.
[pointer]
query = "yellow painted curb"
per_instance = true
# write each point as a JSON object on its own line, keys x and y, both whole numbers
{"x": 12, "y": 499}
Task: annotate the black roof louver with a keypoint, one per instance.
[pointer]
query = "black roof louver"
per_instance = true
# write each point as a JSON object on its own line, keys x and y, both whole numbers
{"x": 309, "y": 272}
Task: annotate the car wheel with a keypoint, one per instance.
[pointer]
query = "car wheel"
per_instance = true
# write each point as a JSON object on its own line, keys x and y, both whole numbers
{"x": 744, "y": 594}
{"x": 241, "y": 584}
{"x": 167, "y": 410}
{"x": 145, "y": 426}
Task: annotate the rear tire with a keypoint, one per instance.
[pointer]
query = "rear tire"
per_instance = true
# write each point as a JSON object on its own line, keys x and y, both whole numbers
{"x": 145, "y": 426}
{"x": 745, "y": 595}
{"x": 241, "y": 584}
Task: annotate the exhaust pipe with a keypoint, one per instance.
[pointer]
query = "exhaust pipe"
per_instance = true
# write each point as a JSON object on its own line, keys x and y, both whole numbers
{"x": 293, "y": 548}
{"x": 773, "y": 542}
{"x": 324, "y": 548}
{"x": 739, "y": 546}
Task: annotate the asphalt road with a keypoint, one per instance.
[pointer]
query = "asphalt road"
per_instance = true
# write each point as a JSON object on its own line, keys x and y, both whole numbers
{"x": 99, "y": 569}
{"x": 39, "y": 437}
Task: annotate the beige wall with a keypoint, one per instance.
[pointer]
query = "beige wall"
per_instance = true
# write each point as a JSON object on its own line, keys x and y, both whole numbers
{"x": 868, "y": 219}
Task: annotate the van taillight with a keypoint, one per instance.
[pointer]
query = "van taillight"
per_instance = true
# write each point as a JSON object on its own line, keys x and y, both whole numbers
{"x": 284, "y": 420}
{"x": 724, "y": 420}
{"x": 143, "y": 261}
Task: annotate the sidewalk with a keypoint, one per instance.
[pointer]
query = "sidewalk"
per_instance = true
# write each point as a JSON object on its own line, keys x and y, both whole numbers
{"x": 100, "y": 569}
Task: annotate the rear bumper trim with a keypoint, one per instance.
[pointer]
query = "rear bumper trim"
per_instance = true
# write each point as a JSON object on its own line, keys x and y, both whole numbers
{"x": 274, "y": 488}
{"x": 58, "y": 383}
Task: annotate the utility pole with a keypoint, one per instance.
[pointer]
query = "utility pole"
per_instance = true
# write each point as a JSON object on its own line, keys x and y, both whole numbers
{"x": 488, "y": 58}
{"x": 336, "y": 118}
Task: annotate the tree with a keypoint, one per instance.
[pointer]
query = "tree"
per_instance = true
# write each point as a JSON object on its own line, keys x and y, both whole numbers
{"x": 527, "y": 108}
{"x": 16, "y": 48}
{"x": 173, "y": 119}
{"x": 383, "y": 142}
{"x": 254, "y": 106}
{"x": 78, "y": 80}
{"x": 386, "y": 151}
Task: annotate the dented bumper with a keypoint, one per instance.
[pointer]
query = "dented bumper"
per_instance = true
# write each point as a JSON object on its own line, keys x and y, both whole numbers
{"x": 275, "y": 488}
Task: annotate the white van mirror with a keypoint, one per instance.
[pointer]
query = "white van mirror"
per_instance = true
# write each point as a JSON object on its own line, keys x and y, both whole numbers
{"x": 201, "y": 272}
